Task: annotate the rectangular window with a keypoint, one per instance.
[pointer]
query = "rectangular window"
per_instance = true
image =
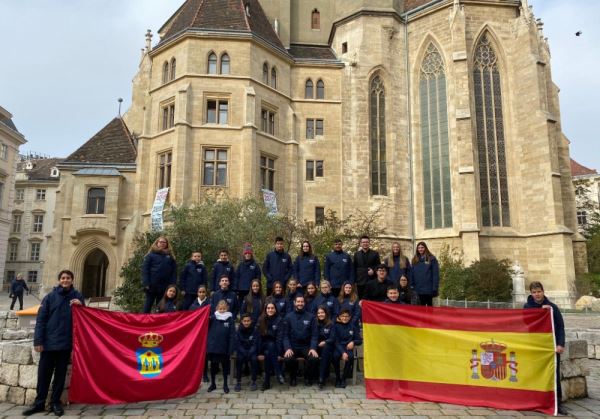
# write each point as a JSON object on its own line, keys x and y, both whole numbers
{"x": 214, "y": 166}
{"x": 16, "y": 223}
{"x": 40, "y": 194}
{"x": 13, "y": 251}
{"x": 314, "y": 128}
{"x": 582, "y": 218}
{"x": 168, "y": 116}
{"x": 38, "y": 223}
{"x": 319, "y": 216}
{"x": 95, "y": 201}
{"x": 10, "y": 275}
{"x": 20, "y": 194}
{"x": 314, "y": 169}
{"x": 217, "y": 111}
{"x": 268, "y": 121}
{"x": 34, "y": 255}
{"x": 164, "y": 169}
{"x": 32, "y": 276}
{"x": 267, "y": 173}
{"x": 3, "y": 152}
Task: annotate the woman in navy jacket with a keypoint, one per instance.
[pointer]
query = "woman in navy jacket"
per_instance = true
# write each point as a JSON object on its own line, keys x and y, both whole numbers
{"x": 221, "y": 343}
{"x": 348, "y": 300}
{"x": 270, "y": 327}
{"x": 397, "y": 264}
{"x": 158, "y": 271}
{"x": 278, "y": 298}
{"x": 425, "y": 275}
{"x": 307, "y": 268}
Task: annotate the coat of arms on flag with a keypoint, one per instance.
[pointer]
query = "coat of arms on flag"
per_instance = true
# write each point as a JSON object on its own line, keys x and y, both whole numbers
{"x": 149, "y": 356}
{"x": 493, "y": 362}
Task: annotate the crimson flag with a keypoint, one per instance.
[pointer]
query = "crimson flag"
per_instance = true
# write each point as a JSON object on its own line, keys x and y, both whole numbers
{"x": 123, "y": 358}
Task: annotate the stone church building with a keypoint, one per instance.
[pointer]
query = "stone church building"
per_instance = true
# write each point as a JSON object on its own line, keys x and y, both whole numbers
{"x": 443, "y": 112}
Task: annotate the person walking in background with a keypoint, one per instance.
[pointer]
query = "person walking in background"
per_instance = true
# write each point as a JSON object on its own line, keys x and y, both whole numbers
{"x": 192, "y": 276}
{"x": 365, "y": 262}
{"x": 307, "y": 268}
{"x": 425, "y": 275}
{"x": 338, "y": 267}
{"x": 17, "y": 287}
{"x": 397, "y": 263}
{"x": 53, "y": 337}
{"x": 278, "y": 265}
{"x": 159, "y": 269}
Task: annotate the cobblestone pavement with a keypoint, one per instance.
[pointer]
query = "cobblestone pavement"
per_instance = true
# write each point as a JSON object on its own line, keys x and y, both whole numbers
{"x": 284, "y": 402}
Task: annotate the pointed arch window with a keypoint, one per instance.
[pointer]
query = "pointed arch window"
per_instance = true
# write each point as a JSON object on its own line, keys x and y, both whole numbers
{"x": 434, "y": 141}
{"x": 377, "y": 137}
{"x": 308, "y": 89}
{"x": 265, "y": 73}
{"x": 212, "y": 63}
{"x": 493, "y": 182}
{"x": 165, "y": 72}
{"x": 274, "y": 78}
{"x": 320, "y": 89}
{"x": 315, "y": 19}
{"x": 173, "y": 69}
{"x": 225, "y": 62}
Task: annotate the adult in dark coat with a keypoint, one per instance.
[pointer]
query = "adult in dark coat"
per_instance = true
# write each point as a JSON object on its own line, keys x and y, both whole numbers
{"x": 278, "y": 265}
{"x": 338, "y": 267}
{"x": 538, "y": 299}
{"x": 397, "y": 263}
{"x": 425, "y": 275}
{"x": 365, "y": 262}
{"x": 54, "y": 339}
{"x": 307, "y": 268}
{"x": 17, "y": 287}
{"x": 159, "y": 270}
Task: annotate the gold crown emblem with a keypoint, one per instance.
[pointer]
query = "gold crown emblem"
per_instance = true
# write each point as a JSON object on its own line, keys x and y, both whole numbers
{"x": 150, "y": 339}
{"x": 493, "y": 346}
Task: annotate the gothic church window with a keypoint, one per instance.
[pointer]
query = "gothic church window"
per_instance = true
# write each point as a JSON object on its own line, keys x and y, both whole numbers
{"x": 173, "y": 69}
{"x": 377, "y": 137}
{"x": 315, "y": 19}
{"x": 212, "y": 63}
{"x": 165, "y": 72}
{"x": 225, "y": 62}
{"x": 265, "y": 73}
{"x": 434, "y": 141}
{"x": 493, "y": 182}
{"x": 320, "y": 89}
{"x": 308, "y": 89}
{"x": 274, "y": 78}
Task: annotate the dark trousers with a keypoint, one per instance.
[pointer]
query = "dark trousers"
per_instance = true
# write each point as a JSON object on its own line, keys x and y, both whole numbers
{"x": 215, "y": 361}
{"x": 188, "y": 300}
{"x": 152, "y": 297}
{"x": 325, "y": 356}
{"x": 271, "y": 353}
{"x": 14, "y": 299}
{"x": 242, "y": 358}
{"x": 558, "y": 386}
{"x": 347, "y": 365}
{"x": 311, "y": 364}
{"x": 426, "y": 300}
{"x": 51, "y": 363}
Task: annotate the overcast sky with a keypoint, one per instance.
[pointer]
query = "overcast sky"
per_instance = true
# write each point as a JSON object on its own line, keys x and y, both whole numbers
{"x": 64, "y": 63}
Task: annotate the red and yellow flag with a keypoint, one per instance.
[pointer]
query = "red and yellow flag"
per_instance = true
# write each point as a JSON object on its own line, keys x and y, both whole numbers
{"x": 497, "y": 358}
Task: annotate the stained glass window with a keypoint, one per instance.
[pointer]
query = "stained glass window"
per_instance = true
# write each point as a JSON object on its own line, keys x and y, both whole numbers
{"x": 434, "y": 141}
{"x": 377, "y": 137}
{"x": 493, "y": 182}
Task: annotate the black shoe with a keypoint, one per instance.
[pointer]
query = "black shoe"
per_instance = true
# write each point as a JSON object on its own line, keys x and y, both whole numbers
{"x": 212, "y": 387}
{"x": 225, "y": 389}
{"x": 57, "y": 409}
{"x": 307, "y": 382}
{"x": 265, "y": 386}
{"x": 562, "y": 410}
{"x": 293, "y": 382}
{"x": 280, "y": 379}
{"x": 36, "y": 408}
{"x": 338, "y": 383}
{"x": 321, "y": 385}
{"x": 343, "y": 383}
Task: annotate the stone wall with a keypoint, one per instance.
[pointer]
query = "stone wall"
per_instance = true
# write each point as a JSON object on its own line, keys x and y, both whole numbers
{"x": 574, "y": 370}
{"x": 591, "y": 336}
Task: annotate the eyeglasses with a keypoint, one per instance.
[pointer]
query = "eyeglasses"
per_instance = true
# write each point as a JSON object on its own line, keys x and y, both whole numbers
{"x": 162, "y": 241}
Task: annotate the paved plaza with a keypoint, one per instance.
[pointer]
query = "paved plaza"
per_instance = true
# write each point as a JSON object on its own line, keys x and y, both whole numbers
{"x": 284, "y": 402}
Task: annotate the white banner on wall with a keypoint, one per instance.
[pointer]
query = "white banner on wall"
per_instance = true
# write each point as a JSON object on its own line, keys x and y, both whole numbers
{"x": 270, "y": 201}
{"x": 158, "y": 207}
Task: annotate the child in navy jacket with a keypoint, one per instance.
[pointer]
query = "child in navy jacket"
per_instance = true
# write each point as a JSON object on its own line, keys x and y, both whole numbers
{"x": 328, "y": 300}
{"x": 324, "y": 348}
{"x": 278, "y": 298}
{"x": 221, "y": 343}
{"x": 270, "y": 326}
{"x": 292, "y": 293}
{"x": 253, "y": 302}
{"x": 168, "y": 304}
{"x": 348, "y": 300}
{"x": 224, "y": 293}
{"x": 247, "y": 271}
{"x": 345, "y": 337}
{"x": 192, "y": 276}
{"x": 220, "y": 268}
{"x": 202, "y": 299}
{"x": 247, "y": 342}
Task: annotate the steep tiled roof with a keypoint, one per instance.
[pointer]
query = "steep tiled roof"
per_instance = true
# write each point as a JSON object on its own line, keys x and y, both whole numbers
{"x": 314, "y": 52}
{"x": 112, "y": 144}
{"x": 41, "y": 168}
{"x": 222, "y": 15}
{"x": 580, "y": 170}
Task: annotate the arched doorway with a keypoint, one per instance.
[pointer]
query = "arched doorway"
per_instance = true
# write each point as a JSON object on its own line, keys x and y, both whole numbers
{"x": 94, "y": 274}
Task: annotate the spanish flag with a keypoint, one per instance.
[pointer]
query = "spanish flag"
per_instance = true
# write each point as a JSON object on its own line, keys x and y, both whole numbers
{"x": 496, "y": 358}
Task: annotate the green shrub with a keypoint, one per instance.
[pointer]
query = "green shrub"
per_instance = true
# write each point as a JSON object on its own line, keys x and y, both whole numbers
{"x": 588, "y": 284}
{"x": 454, "y": 277}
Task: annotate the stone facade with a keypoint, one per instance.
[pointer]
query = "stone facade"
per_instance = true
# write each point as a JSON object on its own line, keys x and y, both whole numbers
{"x": 174, "y": 117}
{"x": 32, "y": 218}
{"x": 10, "y": 141}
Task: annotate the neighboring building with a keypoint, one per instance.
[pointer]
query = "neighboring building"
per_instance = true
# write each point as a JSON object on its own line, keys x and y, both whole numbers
{"x": 10, "y": 141}
{"x": 32, "y": 217}
{"x": 441, "y": 111}
{"x": 587, "y": 195}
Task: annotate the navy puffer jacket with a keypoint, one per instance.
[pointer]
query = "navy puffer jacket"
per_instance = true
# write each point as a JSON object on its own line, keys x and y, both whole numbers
{"x": 54, "y": 324}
